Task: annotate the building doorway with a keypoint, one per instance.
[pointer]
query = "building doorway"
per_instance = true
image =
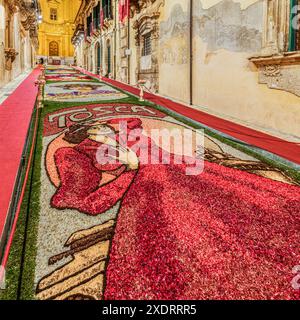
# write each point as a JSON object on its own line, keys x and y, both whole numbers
{"x": 53, "y": 49}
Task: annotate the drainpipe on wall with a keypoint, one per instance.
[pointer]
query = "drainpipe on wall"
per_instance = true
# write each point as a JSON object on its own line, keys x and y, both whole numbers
{"x": 115, "y": 42}
{"x": 191, "y": 50}
{"x": 128, "y": 46}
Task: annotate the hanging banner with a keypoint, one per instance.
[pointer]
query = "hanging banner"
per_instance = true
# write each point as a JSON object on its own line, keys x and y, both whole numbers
{"x": 123, "y": 10}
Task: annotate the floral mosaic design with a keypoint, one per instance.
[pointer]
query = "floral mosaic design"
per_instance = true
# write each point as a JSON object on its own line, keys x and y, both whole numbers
{"x": 81, "y": 92}
{"x": 68, "y": 78}
{"x": 62, "y": 71}
{"x": 149, "y": 231}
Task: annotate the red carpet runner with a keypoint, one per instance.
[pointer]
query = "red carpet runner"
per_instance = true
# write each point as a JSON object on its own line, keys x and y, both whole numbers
{"x": 15, "y": 115}
{"x": 280, "y": 147}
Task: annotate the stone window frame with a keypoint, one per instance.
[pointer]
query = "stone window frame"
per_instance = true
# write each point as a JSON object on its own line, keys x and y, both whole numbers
{"x": 278, "y": 67}
{"x": 147, "y": 44}
{"x": 276, "y": 33}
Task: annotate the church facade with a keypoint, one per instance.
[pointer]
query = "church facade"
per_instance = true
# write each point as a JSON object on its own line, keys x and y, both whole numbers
{"x": 232, "y": 58}
{"x": 18, "y": 37}
{"x": 56, "y": 30}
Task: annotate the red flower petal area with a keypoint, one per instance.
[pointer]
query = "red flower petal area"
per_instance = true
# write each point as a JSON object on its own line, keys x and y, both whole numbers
{"x": 225, "y": 234}
{"x": 81, "y": 175}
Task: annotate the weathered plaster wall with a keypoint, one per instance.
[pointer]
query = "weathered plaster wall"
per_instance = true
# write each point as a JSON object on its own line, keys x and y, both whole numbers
{"x": 226, "y": 33}
{"x": 174, "y": 50}
{"x": 20, "y": 41}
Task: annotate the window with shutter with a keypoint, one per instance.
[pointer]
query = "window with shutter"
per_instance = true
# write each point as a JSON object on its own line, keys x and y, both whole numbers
{"x": 294, "y": 36}
{"x": 107, "y": 9}
{"x": 147, "y": 45}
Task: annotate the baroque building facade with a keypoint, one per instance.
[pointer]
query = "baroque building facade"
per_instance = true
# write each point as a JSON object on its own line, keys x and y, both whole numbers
{"x": 56, "y": 30}
{"x": 18, "y": 37}
{"x": 239, "y": 59}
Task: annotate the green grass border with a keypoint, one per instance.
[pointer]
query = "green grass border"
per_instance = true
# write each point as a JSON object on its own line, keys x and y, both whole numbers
{"x": 27, "y": 290}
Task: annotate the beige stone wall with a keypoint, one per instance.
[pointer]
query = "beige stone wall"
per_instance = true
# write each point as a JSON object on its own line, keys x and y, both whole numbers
{"x": 225, "y": 82}
{"x": 20, "y": 41}
{"x": 174, "y": 50}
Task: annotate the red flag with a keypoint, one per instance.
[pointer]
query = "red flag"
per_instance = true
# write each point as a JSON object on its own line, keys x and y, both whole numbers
{"x": 101, "y": 18}
{"x": 123, "y": 10}
{"x": 120, "y": 10}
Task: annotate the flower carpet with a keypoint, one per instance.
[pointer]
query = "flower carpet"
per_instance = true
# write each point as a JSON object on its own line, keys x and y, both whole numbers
{"x": 133, "y": 230}
{"x": 81, "y": 92}
{"x": 67, "y": 77}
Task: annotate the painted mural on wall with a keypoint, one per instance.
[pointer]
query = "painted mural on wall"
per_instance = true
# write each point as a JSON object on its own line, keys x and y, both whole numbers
{"x": 223, "y": 26}
{"x": 173, "y": 38}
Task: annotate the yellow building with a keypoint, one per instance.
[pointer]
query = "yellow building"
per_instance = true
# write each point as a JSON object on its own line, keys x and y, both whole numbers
{"x": 56, "y": 30}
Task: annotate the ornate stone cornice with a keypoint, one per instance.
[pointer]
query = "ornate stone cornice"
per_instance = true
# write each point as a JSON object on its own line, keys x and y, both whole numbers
{"x": 10, "y": 53}
{"x": 29, "y": 18}
{"x": 286, "y": 58}
{"x": 136, "y": 6}
{"x": 12, "y": 6}
{"x": 279, "y": 71}
{"x": 10, "y": 56}
{"x": 146, "y": 22}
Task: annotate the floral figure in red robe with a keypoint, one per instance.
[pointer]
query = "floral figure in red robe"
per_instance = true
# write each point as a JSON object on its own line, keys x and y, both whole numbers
{"x": 87, "y": 184}
{"x": 224, "y": 234}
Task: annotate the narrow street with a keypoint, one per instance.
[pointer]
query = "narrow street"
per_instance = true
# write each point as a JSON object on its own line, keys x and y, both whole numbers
{"x": 136, "y": 229}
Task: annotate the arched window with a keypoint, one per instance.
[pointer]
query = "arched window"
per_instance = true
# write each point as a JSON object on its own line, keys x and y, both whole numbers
{"x": 53, "y": 48}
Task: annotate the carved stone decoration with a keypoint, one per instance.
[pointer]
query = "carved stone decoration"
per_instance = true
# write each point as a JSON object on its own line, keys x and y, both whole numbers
{"x": 285, "y": 78}
{"x": 136, "y": 6}
{"x": 277, "y": 67}
{"x": 281, "y": 72}
{"x": 271, "y": 71}
{"x": 10, "y": 56}
{"x": 28, "y": 17}
{"x": 12, "y": 6}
